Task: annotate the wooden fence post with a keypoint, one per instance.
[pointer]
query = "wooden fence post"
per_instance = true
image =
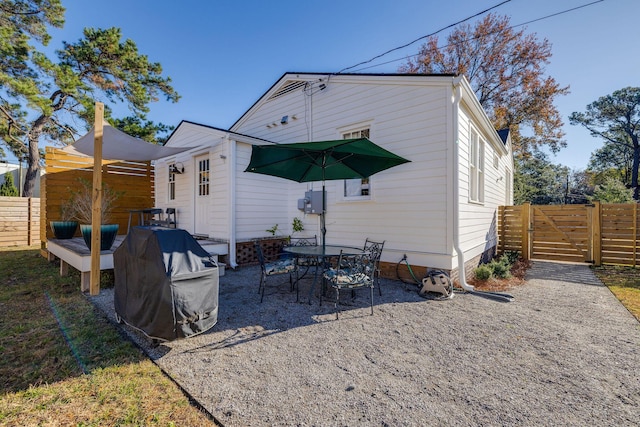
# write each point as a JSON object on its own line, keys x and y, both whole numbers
{"x": 30, "y": 221}
{"x": 526, "y": 229}
{"x": 635, "y": 233}
{"x": 596, "y": 235}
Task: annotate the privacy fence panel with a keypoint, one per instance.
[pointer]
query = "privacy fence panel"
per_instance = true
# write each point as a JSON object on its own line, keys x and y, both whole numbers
{"x": 19, "y": 221}
{"x": 510, "y": 228}
{"x": 134, "y": 180}
{"x": 620, "y": 234}
{"x": 594, "y": 233}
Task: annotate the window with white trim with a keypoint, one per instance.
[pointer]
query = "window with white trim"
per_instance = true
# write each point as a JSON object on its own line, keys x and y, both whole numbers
{"x": 172, "y": 183}
{"x": 476, "y": 168}
{"x": 357, "y": 188}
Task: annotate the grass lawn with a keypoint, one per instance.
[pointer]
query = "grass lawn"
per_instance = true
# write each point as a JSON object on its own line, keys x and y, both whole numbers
{"x": 624, "y": 282}
{"x": 63, "y": 363}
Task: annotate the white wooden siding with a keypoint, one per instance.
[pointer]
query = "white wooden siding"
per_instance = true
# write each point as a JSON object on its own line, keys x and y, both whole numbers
{"x": 261, "y": 200}
{"x": 478, "y": 221}
{"x": 207, "y": 141}
{"x": 408, "y": 207}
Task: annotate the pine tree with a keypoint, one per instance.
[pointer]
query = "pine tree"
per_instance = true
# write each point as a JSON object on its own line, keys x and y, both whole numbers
{"x": 47, "y": 99}
{"x": 8, "y": 188}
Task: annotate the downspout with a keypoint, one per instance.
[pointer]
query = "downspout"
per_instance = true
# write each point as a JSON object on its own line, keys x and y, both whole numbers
{"x": 457, "y": 97}
{"x": 231, "y": 143}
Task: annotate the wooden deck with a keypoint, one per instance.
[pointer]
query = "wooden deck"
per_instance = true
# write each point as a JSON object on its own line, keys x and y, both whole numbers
{"x": 75, "y": 253}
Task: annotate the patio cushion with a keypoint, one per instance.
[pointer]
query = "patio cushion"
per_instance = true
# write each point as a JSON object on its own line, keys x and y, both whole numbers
{"x": 306, "y": 262}
{"x": 344, "y": 278}
{"x": 286, "y": 265}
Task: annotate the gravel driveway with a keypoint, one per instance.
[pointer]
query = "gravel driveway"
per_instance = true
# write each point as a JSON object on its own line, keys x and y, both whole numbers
{"x": 565, "y": 352}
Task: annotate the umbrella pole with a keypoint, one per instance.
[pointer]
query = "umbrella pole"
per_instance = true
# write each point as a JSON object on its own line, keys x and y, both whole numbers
{"x": 323, "y": 228}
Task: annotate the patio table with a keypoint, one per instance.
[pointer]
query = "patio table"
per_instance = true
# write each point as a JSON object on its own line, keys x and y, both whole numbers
{"x": 322, "y": 252}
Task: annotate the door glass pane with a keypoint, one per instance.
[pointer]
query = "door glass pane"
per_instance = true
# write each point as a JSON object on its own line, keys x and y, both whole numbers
{"x": 203, "y": 177}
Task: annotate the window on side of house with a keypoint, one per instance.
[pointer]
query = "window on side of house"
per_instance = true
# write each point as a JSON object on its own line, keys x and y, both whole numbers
{"x": 172, "y": 183}
{"x": 357, "y": 188}
{"x": 476, "y": 168}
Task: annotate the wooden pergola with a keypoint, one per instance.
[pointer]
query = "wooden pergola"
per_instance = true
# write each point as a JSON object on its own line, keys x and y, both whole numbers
{"x": 127, "y": 164}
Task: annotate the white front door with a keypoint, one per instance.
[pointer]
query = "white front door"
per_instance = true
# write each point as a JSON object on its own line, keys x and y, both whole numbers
{"x": 202, "y": 198}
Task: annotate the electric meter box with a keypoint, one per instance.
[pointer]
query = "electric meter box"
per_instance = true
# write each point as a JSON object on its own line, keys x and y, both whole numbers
{"x": 312, "y": 202}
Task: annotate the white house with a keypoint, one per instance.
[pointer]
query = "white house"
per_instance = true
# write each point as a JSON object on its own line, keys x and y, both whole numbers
{"x": 440, "y": 209}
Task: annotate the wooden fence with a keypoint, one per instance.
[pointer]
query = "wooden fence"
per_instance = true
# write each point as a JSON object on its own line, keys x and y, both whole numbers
{"x": 596, "y": 233}
{"x": 134, "y": 179}
{"x": 19, "y": 221}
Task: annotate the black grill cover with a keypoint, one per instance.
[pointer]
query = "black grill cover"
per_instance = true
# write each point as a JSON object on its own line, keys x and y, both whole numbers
{"x": 166, "y": 284}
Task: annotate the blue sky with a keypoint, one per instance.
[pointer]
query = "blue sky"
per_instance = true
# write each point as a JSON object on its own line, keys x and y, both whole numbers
{"x": 223, "y": 55}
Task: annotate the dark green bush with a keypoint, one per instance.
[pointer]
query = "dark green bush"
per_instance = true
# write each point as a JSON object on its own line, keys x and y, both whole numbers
{"x": 483, "y": 272}
{"x": 500, "y": 269}
{"x": 511, "y": 256}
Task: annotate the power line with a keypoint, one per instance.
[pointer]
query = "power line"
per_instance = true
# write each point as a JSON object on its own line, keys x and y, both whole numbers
{"x": 432, "y": 34}
{"x": 559, "y": 13}
{"x": 424, "y": 37}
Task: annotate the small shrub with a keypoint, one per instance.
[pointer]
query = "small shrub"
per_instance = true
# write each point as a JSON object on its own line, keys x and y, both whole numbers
{"x": 273, "y": 230}
{"x": 297, "y": 225}
{"x": 511, "y": 256}
{"x": 483, "y": 272}
{"x": 501, "y": 268}
{"x": 81, "y": 202}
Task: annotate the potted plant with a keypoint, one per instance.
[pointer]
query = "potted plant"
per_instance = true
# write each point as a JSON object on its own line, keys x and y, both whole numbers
{"x": 81, "y": 201}
{"x": 66, "y": 226}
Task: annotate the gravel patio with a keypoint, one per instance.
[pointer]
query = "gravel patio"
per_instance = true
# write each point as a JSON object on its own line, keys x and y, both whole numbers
{"x": 565, "y": 352}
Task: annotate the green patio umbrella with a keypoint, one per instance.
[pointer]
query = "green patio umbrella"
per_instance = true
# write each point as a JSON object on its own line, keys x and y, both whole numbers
{"x": 321, "y": 161}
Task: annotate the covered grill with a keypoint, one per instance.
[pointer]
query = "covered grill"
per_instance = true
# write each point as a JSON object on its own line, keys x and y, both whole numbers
{"x": 166, "y": 284}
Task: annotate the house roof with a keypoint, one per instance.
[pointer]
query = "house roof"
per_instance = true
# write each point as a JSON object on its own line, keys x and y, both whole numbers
{"x": 230, "y": 132}
{"x": 504, "y": 135}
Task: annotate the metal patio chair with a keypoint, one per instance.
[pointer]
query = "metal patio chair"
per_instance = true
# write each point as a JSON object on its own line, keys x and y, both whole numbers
{"x": 305, "y": 241}
{"x": 352, "y": 272}
{"x": 375, "y": 252}
{"x": 278, "y": 267}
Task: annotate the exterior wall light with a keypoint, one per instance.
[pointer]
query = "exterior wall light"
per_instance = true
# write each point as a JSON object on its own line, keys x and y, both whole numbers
{"x": 176, "y": 168}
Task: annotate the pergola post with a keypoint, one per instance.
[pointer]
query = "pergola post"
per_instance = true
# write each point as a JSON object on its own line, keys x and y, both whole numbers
{"x": 96, "y": 214}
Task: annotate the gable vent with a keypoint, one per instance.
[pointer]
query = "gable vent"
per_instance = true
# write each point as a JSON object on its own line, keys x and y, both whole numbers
{"x": 289, "y": 86}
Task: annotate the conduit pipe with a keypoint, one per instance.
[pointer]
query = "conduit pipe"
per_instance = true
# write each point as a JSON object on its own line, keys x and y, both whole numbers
{"x": 457, "y": 97}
